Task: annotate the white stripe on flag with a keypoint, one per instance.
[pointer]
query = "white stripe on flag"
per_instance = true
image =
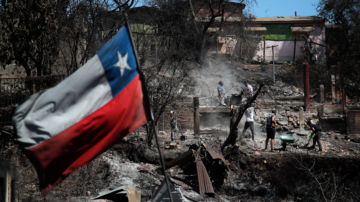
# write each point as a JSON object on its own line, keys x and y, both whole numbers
{"x": 47, "y": 114}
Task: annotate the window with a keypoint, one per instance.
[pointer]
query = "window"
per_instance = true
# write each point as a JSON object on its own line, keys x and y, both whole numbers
{"x": 298, "y": 31}
{"x": 297, "y": 35}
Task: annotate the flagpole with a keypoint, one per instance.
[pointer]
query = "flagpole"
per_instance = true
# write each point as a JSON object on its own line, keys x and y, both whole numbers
{"x": 146, "y": 95}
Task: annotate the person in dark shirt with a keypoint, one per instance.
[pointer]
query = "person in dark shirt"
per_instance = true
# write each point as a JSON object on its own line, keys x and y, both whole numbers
{"x": 270, "y": 130}
{"x": 316, "y": 134}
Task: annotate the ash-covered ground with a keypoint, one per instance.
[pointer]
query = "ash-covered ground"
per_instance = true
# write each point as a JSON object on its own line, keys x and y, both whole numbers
{"x": 294, "y": 174}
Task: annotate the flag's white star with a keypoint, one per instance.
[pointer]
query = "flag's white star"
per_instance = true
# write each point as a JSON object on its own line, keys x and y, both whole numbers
{"x": 122, "y": 63}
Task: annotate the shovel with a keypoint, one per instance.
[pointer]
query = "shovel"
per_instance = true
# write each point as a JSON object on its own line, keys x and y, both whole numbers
{"x": 182, "y": 138}
{"x": 306, "y": 145}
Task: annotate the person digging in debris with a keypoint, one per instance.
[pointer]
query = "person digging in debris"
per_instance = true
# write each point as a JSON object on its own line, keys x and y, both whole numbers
{"x": 249, "y": 113}
{"x": 174, "y": 125}
{"x": 221, "y": 92}
{"x": 249, "y": 92}
{"x": 270, "y": 129}
{"x": 315, "y": 134}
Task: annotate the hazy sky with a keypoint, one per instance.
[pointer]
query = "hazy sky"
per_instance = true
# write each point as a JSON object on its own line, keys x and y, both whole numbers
{"x": 270, "y": 8}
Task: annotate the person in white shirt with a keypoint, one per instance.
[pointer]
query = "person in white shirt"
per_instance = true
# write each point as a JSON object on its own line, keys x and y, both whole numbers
{"x": 249, "y": 113}
{"x": 250, "y": 91}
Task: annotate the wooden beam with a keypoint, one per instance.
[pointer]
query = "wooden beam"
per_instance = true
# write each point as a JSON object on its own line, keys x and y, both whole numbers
{"x": 196, "y": 116}
{"x": 214, "y": 110}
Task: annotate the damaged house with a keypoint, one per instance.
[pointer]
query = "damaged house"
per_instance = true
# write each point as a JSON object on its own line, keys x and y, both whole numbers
{"x": 284, "y": 33}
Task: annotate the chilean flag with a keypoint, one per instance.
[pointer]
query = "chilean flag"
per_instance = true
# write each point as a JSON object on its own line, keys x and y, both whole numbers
{"x": 67, "y": 126}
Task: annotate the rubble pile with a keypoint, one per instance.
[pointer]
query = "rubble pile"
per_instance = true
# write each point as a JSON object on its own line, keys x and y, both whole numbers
{"x": 233, "y": 76}
{"x": 287, "y": 119}
{"x": 282, "y": 89}
{"x": 197, "y": 168}
{"x": 244, "y": 174}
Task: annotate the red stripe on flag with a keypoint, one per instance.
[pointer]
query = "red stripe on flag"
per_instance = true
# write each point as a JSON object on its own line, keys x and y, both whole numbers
{"x": 57, "y": 157}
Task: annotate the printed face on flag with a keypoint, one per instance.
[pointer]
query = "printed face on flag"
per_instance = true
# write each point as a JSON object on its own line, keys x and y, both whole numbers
{"x": 65, "y": 127}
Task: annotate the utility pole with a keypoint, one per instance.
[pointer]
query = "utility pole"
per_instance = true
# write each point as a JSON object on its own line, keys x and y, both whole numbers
{"x": 273, "y": 60}
{"x": 272, "y": 49}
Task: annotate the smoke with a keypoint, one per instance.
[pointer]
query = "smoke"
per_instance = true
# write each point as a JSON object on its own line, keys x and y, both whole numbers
{"x": 206, "y": 82}
{"x": 207, "y": 79}
{"x": 219, "y": 121}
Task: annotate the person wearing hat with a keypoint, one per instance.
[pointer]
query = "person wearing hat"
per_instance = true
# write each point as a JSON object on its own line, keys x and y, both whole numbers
{"x": 270, "y": 129}
{"x": 250, "y": 91}
{"x": 315, "y": 134}
{"x": 221, "y": 92}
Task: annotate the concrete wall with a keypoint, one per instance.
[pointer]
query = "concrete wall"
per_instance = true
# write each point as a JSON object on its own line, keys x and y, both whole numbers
{"x": 318, "y": 36}
{"x": 332, "y": 124}
{"x": 330, "y": 110}
{"x": 353, "y": 123}
{"x": 282, "y": 53}
{"x": 331, "y": 118}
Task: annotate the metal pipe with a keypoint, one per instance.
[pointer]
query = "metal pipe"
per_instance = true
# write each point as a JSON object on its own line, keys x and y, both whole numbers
{"x": 147, "y": 99}
{"x": 162, "y": 161}
{"x": 273, "y": 62}
{"x": 264, "y": 48}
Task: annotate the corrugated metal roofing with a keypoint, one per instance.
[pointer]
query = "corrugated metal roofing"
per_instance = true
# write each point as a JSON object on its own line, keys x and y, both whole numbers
{"x": 255, "y": 28}
{"x": 218, "y": 19}
{"x": 289, "y": 19}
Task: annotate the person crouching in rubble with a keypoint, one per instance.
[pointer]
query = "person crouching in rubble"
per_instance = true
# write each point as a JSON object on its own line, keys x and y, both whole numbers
{"x": 221, "y": 92}
{"x": 173, "y": 124}
{"x": 270, "y": 129}
{"x": 249, "y": 92}
{"x": 249, "y": 113}
{"x": 315, "y": 134}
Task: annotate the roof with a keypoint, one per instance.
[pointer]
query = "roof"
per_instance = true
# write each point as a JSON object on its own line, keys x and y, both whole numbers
{"x": 302, "y": 29}
{"x": 218, "y": 19}
{"x": 282, "y": 19}
{"x": 255, "y": 29}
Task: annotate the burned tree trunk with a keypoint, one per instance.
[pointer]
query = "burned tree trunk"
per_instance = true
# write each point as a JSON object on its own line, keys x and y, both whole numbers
{"x": 236, "y": 114}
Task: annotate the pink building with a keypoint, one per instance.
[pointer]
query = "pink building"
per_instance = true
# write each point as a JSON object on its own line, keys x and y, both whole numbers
{"x": 284, "y": 33}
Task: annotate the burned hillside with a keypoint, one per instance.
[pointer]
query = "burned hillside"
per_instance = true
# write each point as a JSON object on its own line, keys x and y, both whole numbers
{"x": 178, "y": 101}
{"x": 240, "y": 172}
